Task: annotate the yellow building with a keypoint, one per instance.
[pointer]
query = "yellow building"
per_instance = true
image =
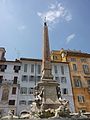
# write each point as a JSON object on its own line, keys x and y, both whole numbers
{"x": 79, "y": 64}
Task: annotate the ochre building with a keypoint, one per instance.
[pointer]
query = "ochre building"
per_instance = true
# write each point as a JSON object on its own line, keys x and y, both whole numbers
{"x": 79, "y": 64}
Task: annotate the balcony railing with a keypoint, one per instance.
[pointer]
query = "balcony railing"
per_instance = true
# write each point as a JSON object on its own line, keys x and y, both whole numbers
{"x": 5, "y": 81}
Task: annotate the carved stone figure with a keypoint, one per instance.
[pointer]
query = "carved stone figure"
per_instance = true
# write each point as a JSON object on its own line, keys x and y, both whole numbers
{"x": 39, "y": 96}
{"x": 10, "y": 114}
{"x": 58, "y": 91}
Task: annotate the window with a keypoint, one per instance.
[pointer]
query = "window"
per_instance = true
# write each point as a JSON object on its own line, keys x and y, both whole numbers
{"x": 39, "y": 69}
{"x": 64, "y": 90}
{"x": 14, "y": 90}
{"x": 11, "y": 102}
{"x": 30, "y": 90}
{"x": 32, "y": 68}
{"x": 81, "y": 99}
{"x": 15, "y": 80}
{"x": 24, "y": 78}
{"x": 83, "y": 60}
{"x": 3, "y": 67}
{"x": 63, "y": 80}
{"x": 22, "y": 102}
{"x": 73, "y": 59}
{"x": 1, "y": 78}
{"x": 23, "y": 90}
{"x": 38, "y": 78}
{"x": 53, "y": 57}
{"x": 16, "y": 68}
{"x": 62, "y": 70}
{"x": 31, "y": 78}
{"x": 30, "y": 102}
{"x": 88, "y": 82}
{"x": 55, "y": 69}
{"x": 85, "y": 68}
{"x": 74, "y": 67}
{"x": 57, "y": 78}
{"x": 77, "y": 81}
{"x": 25, "y": 67}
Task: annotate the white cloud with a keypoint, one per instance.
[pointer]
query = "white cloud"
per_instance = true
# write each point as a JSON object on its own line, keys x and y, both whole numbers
{"x": 55, "y": 13}
{"x": 22, "y": 27}
{"x": 70, "y": 37}
{"x": 52, "y": 6}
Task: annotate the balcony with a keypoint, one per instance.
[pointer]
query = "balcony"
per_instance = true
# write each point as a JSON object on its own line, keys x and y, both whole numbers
{"x": 6, "y": 82}
{"x": 87, "y": 72}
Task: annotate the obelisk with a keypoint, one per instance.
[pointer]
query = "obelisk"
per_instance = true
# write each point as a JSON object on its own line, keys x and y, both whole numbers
{"x": 49, "y": 98}
{"x": 46, "y": 61}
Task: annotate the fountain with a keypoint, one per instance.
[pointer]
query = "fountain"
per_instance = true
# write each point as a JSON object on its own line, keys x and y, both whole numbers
{"x": 48, "y": 101}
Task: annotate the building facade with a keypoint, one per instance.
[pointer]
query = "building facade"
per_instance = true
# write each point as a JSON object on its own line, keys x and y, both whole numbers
{"x": 31, "y": 75}
{"x": 79, "y": 65}
{"x": 9, "y": 84}
{"x": 18, "y": 79}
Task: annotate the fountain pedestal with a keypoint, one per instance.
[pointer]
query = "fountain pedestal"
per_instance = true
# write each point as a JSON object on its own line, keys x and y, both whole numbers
{"x": 49, "y": 97}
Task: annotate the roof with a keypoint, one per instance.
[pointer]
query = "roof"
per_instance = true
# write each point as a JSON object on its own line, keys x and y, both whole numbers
{"x": 73, "y": 53}
{"x": 4, "y": 61}
{"x": 40, "y": 60}
{"x": 77, "y": 53}
{"x": 30, "y": 59}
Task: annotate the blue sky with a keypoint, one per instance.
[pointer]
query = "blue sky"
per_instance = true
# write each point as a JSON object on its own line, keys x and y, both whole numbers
{"x": 21, "y": 26}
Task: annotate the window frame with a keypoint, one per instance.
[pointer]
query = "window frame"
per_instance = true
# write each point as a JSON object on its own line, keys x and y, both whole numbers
{"x": 74, "y": 67}
{"x": 62, "y": 70}
{"x": 23, "y": 90}
{"x": 81, "y": 98}
{"x": 63, "y": 80}
{"x": 13, "y": 102}
{"x": 64, "y": 91}
{"x": 25, "y": 67}
{"x": 14, "y": 90}
{"x": 32, "y": 68}
{"x": 24, "y": 78}
{"x": 55, "y": 69}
